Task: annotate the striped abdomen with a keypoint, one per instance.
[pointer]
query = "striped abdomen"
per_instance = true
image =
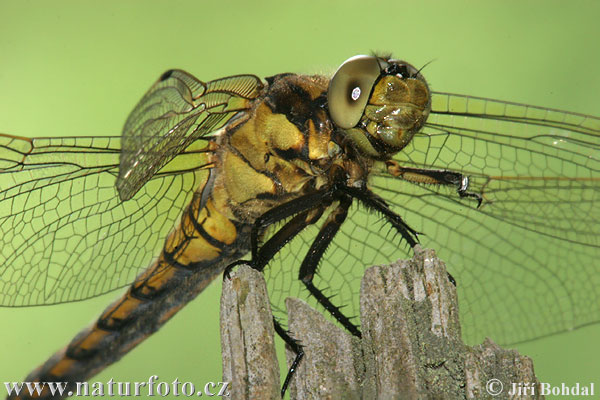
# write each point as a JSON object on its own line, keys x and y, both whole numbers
{"x": 203, "y": 244}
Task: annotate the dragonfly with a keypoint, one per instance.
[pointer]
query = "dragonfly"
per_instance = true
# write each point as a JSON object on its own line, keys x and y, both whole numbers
{"x": 309, "y": 179}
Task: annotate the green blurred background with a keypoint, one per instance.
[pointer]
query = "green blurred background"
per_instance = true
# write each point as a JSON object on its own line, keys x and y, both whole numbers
{"x": 71, "y": 68}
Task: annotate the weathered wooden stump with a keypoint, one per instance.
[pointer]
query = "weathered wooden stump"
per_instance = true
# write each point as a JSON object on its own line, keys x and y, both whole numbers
{"x": 411, "y": 345}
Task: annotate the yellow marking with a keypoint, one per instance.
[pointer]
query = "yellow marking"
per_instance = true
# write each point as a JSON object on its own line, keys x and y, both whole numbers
{"x": 185, "y": 251}
{"x": 243, "y": 183}
{"x": 221, "y": 199}
{"x": 314, "y": 85}
{"x": 152, "y": 279}
{"x": 90, "y": 340}
{"x": 218, "y": 226}
{"x": 358, "y": 137}
{"x": 292, "y": 177}
{"x": 62, "y": 367}
{"x": 122, "y": 309}
{"x": 176, "y": 240}
{"x": 420, "y": 92}
{"x": 394, "y": 169}
{"x": 393, "y": 91}
{"x": 252, "y": 146}
{"x": 150, "y": 270}
{"x": 198, "y": 250}
{"x": 281, "y": 134}
{"x": 390, "y": 90}
{"x": 318, "y": 143}
{"x": 418, "y": 178}
{"x": 163, "y": 276}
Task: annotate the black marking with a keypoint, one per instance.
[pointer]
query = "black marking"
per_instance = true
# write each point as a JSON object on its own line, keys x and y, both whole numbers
{"x": 401, "y": 70}
{"x": 116, "y": 326}
{"x": 266, "y": 173}
{"x": 266, "y": 196}
{"x": 283, "y": 236}
{"x": 136, "y": 293}
{"x": 181, "y": 272}
{"x": 451, "y": 279}
{"x": 166, "y": 75}
{"x": 230, "y": 267}
{"x": 171, "y": 261}
{"x": 272, "y": 79}
{"x": 290, "y": 99}
{"x": 205, "y": 235}
{"x": 290, "y": 154}
{"x": 298, "y": 205}
{"x": 382, "y": 148}
{"x": 374, "y": 202}
{"x": 79, "y": 353}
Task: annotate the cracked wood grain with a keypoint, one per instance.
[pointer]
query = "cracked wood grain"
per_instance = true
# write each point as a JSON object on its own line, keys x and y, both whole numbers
{"x": 411, "y": 345}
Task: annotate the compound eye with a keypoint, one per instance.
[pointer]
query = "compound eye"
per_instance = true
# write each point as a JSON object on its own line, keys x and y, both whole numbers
{"x": 350, "y": 88}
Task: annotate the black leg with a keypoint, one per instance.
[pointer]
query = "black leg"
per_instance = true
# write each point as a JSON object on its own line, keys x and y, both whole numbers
{"x": 434, "y": 177}
{"x": 301, "y": 208}
{"x": 374, "y": 202}
{"x": 304, "y": 211}
{"x": 315, "y": 253}
{"x": 277, "y": 241}
{"x": 284, "y": 236}
{"x": 296, "y": 348}
{"x": 451, "y": 279}
{"x": 304, "y": 203}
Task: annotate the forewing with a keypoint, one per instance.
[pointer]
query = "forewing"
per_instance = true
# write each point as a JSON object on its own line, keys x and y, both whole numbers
{"x": 534, "y": 167}
{"x": 64, "y": 233}
{"x": 526, "y": 261}
{"x": 177, "y": 110}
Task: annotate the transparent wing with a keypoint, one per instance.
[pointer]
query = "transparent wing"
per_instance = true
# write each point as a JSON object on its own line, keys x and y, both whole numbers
{"x": 535, "y": 168}
{"x": 64, "y": 233}
{"x": 177, "y": 110}
{"x": 526, "y": 261}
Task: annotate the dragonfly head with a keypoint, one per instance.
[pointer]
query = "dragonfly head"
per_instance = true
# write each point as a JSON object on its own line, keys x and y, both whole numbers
{"x": 379, "y": 102}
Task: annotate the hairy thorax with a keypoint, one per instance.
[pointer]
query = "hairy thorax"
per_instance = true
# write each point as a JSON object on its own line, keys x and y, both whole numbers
{"x": 286, "y": 148}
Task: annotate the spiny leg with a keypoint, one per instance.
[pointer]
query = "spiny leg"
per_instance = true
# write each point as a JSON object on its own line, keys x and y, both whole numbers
{"x": 370, "y": 200}
{"x": 315, "y": 253}
{"x": 263, "y": 255}
{"x": 296, "y": 348}
{"x": 304, "y": 211}
{"x": 434, "y": 177}
{"x": 374, "y": 202}
{"x": 286, "y": 210}
{"x": 297, "y": 207}
{"x": 285, "y": 235}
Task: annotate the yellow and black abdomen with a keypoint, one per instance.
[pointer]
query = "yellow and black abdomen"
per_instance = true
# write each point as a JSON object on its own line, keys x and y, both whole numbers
{"x": 197, "y": 251}
{"x": 280, "y": 151}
